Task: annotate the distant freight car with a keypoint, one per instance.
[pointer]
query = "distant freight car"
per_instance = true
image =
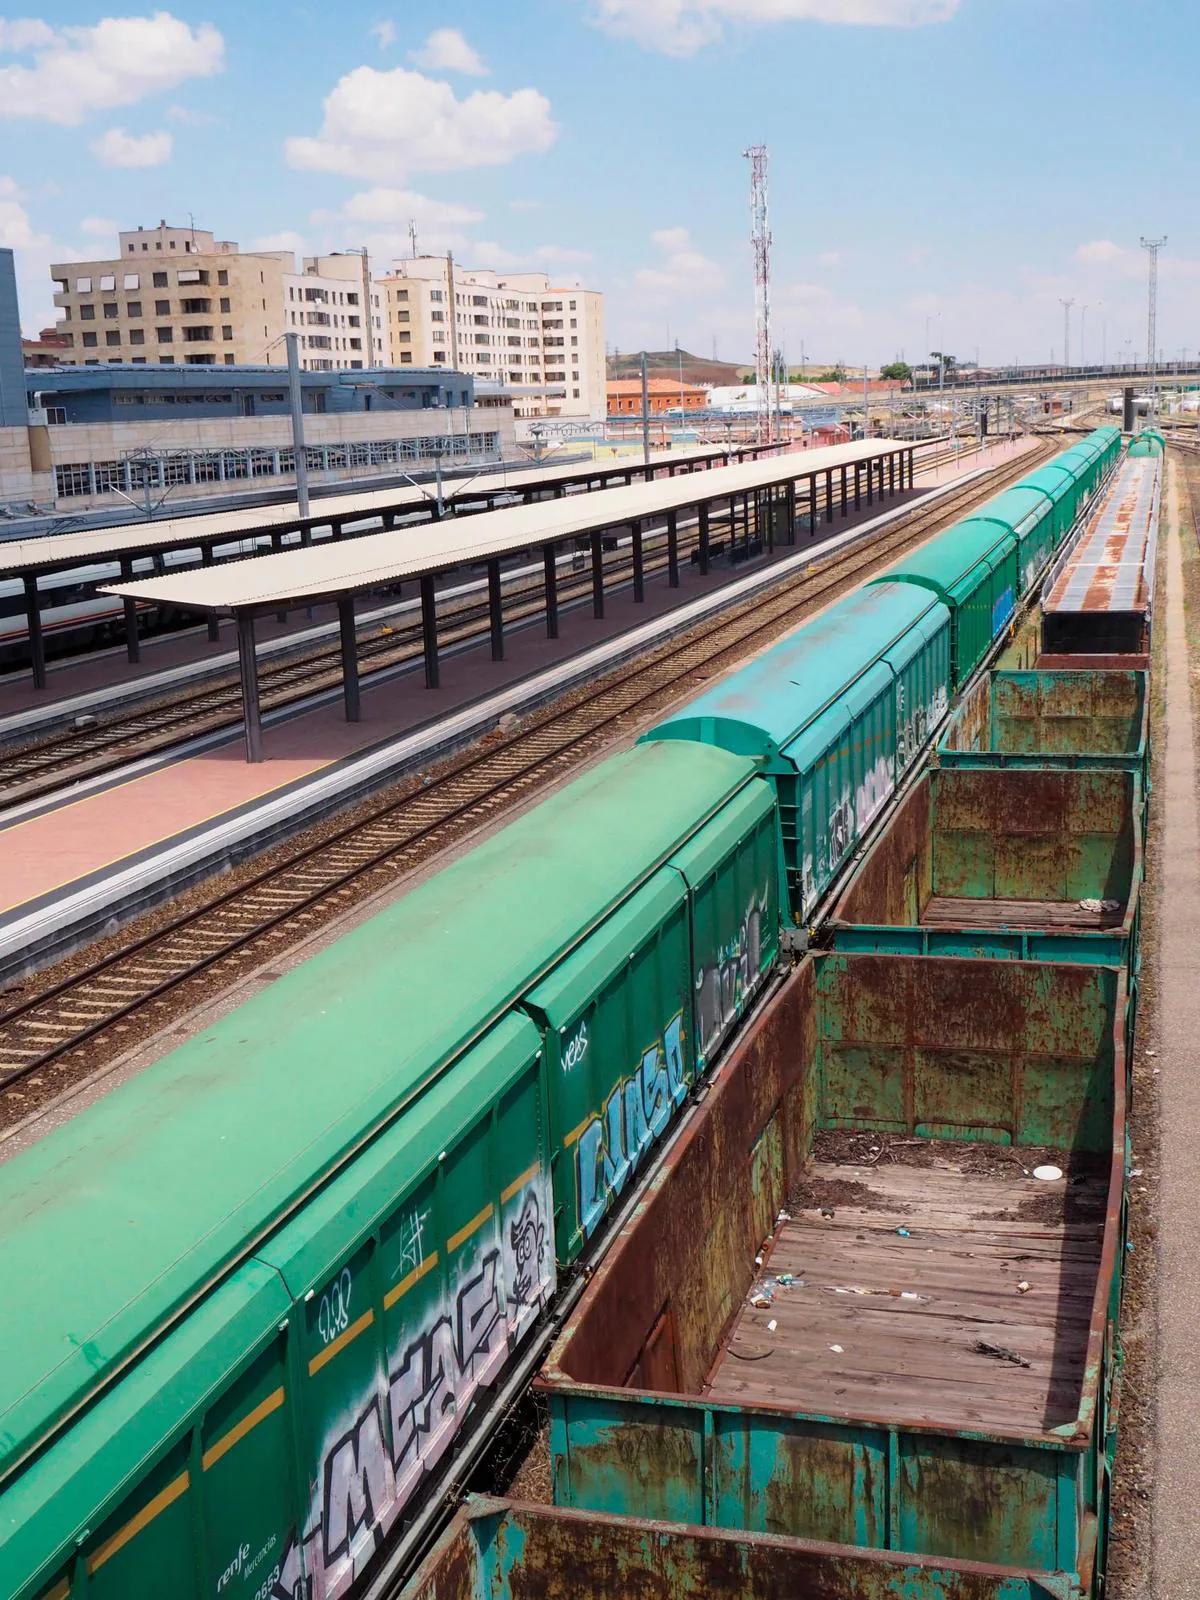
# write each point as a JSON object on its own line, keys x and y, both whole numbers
{"x": 268, "y": 1276}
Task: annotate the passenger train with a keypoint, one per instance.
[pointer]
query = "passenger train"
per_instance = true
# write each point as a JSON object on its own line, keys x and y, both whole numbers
{"x": 266, "y": 1284}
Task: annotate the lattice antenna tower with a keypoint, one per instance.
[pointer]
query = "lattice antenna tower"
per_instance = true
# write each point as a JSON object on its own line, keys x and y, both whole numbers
{"x": 1066, "y": 305}
{"x": 1153, "y": 246}
{"x": 760, "y": 239}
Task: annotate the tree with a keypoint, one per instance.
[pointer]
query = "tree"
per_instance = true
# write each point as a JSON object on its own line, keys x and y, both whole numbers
{"x": 899, "y": 370}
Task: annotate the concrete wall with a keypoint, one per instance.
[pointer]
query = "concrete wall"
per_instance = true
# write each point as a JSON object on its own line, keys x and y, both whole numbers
{"x": 13, "y": 405}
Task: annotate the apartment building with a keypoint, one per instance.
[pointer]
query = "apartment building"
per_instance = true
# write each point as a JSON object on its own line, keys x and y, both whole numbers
{"x": 172, "y": 297}
{"x": 541, "y": 343}
{"x": 180, "y": 297}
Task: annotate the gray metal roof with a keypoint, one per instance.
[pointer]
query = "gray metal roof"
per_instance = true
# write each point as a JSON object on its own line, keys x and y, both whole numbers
{"x": 47, "y": 551}
{"x": 294, "y": 577}
{"x": 1110, "y": 566}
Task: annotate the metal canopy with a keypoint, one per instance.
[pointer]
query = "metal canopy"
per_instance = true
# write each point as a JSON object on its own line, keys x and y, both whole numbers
{"x": 309, "y": 575}
{"x": 48, "y": 552}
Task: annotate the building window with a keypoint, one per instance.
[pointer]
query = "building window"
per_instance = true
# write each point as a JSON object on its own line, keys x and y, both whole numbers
{"x": 83, "y": 286}
{"x": 113, "y": 336}
{"x": 571, "y": 307}
{"x": 108, "y": 281}
{"x": 227, "y": 330}
{"x": 574, "y": 323}
{"x": 87, "y": 313}
{"x": 201, "y": 361}
{"x": 439, "y": 355}
{"x": 402, "y": 294}
{"x": 575, "y": 394}
{"x": 162, "y": 308}
{"x": 89, "y": 340}
{"x": 224, "y": 302}
{"x": 166, "y": 335}
{"x": 222, "y": 277}
{"x": 133, "y": 308}
{"x": 160, "y": 280}
{"x": 137, "y": 335}
{"x": 195, "y": 308}
{"x": 110, "y": 310}
{"x": 131, "y": 281}
{"x": 166, "y": 361}
{"x": 229, "y": 358}
{"x": 406, "y": 358}
{"x": 139, "y": 361}
{"x": 200, "y": 334}
{"x": 144, "y": 247}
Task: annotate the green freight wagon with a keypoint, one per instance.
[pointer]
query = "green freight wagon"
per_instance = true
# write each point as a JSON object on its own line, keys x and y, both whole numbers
{"x": 268, "y": 1276}
{"x": 849, "y": 1312}
{"x": 1078, "y": 717}
{"x": 505, "y": 1550}
{"x": 1016, "y": 864}
{"x": 834, "y": 716}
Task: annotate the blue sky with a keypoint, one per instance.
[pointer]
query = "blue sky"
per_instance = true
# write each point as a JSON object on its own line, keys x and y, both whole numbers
{"x": 966, "y": 161}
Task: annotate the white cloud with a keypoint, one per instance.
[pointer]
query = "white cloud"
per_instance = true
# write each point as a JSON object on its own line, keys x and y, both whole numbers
{"x": 16, "y": 230}
{"x": 446, "y": 50}
{"x": 539, "y": 257}
{"x": 192, "y": 119}
{"x": 382, "y": 124}
{"x": 817, "y": 311}
{"x": 99, "y": 227}
{"x": 682, "y": 269}
{"x": 118, "y": 62}
{"x": 116, "y": 148}
{"x": 404, "y": 205}
{"x": 829, "y": 258}
{"x": 286, "y": 239}
{"x": 1101, "y": 252}
{"x": 681, "y": 27}
{"x": 384, "y": 34}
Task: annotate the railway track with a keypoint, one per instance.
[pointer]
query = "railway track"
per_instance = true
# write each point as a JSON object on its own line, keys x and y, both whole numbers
{"x": 42, "y": 767}
{"x": 146, "y": 978}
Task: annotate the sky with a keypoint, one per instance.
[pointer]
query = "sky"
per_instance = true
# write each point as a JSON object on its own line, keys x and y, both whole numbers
{"x": 943, "y": 173}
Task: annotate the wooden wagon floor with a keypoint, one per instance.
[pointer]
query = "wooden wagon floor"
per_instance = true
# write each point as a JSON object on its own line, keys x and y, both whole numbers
{"x": 945, "y": 911}
{"x": 879, "y": 1325}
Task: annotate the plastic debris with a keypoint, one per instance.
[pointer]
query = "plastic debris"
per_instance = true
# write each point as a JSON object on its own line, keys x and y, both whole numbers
{"x": 760, "y": 1300}
{"x": 1000, "y": 1352}
{"x": 1024, "y": 1286}
{"x": 1135, "y": 1172}
{"x": 828, "y": 1211}
{"x": 909, "y": 1294}
{"x": 1048, "y": 1173}
{"x": 786, "y": 1279}
{"x": 1092, "y": 904}
{"x": 784, "y": 1216}
{"x": 758, "y": 1261}
{"x": 837, "y": 1349}
{"x": 772, "y": 1325}
{"x": 904, "y": 1233}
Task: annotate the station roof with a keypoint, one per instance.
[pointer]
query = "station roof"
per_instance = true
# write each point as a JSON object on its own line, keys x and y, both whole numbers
{"x": 299, "y": 576}
{"x": 48, "y": 552}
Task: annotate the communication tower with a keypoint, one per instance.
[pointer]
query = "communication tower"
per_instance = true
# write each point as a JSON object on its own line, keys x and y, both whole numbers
{"x": 1153, "y": 246}
{"x": 760, "y": 239}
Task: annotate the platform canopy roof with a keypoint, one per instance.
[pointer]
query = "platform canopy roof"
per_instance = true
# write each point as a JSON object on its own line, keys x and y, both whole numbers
{"x": 47, "y": 552}
{"x": 327, "y": 571}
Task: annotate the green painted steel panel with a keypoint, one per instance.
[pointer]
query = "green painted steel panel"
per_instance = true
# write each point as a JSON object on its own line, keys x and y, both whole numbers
{"x": 158, "y": 1187}
{"x": 1076, "y": 717}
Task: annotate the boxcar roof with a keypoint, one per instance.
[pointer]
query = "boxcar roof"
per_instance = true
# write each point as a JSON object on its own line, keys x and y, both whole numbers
{"x": 117, "y": 1219}
{"x": 781, "y": 691}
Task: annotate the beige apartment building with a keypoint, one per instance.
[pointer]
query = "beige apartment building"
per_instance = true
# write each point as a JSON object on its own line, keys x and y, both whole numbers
{"x": 542, "y": 344}
{"x": 180, "y": 297}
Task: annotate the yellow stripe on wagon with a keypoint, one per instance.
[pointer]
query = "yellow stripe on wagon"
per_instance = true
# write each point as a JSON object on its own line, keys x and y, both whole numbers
{"x": 164, "y": 1498}
{"x": 518, "y": 1184}
{"x": 239, "y": 1431}
{"x": 409, "y": 1278}
{"x": 340, "y": 1343}
{"x": 465, "y": 1232}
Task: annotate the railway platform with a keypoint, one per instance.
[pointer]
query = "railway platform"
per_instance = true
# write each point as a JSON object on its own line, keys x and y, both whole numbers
{"x": 77, "y": 864}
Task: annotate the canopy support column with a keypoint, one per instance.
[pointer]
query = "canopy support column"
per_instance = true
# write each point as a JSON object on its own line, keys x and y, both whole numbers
{"x": 891, "y": 472}
{"x": 870, "y": 483}
{"x": 857, "y": 486}
{"x": 349, "y": 658}
{"x": 639, "y": 570}
{"x": 812, "y": 505}
{"x": 845, "y": 494}
{"x": 33, "y": 617}
{"x": 673, "y": 548}
{"x": 597, "y": 576}
{"x": 429, "y": 630}
{"x": 791, "y": 511}
{"x": 829, "y": 495}
{"x": 214, "y": 626}
{"x": 277, "y": 545}
{"x": 248, "y": 664}
{"x": 912, "y": 468}
{"x": 495, "y": 611}
{"x": 550, "y": 572}
{"x": 703, "y": 511}
{"x": 133, "y": 645}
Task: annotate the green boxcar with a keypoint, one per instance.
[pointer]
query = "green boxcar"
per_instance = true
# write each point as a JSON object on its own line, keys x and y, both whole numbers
{"x": 834, "y": 715}
{"x": 286, "y": 1256}
{"x": 972, "y": 569}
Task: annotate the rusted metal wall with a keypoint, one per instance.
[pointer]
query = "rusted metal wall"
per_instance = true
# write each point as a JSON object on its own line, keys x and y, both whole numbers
{"x": 679, "y": 1269}
{"x": 1036, "y": 1053}
{"x": 504, "y": 1550}
{"x": 1050, "y": 719}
